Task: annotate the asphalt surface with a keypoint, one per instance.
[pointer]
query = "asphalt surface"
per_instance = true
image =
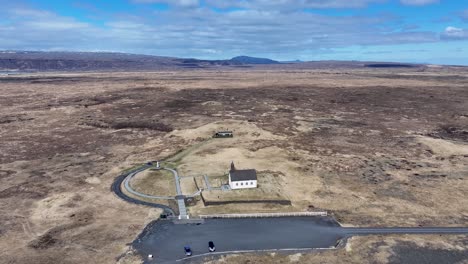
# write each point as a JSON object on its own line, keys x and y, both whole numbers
{"x": 115, "y": 187}
{"x": 166, "y": 241}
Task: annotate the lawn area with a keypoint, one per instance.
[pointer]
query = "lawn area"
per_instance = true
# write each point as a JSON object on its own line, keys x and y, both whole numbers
{"x": 157, "y": 182}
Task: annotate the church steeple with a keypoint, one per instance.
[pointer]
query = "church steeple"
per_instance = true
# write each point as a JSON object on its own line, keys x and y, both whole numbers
{"x": 232, "y": 166}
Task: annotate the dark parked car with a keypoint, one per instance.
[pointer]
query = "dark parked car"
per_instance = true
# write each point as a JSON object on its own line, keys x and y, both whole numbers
{"x": 188, "y": 251}
{"x": 211, "y": 246}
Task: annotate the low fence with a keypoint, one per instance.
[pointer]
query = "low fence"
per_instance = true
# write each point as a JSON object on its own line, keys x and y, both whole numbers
{"x": 278, "y": 202}
{"x": 207, "y": 202}
{"x": 261, "y": 215}
{"x": 203, "y": 199}
{"x": 188, "y": 221}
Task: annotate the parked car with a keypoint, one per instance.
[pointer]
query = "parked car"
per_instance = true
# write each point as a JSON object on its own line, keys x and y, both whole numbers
{"x": 211, "y": 246}
{"x": 188, "y": 251}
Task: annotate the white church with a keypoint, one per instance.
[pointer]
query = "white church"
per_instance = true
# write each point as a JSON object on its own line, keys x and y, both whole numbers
{"x": 242, "y": 179}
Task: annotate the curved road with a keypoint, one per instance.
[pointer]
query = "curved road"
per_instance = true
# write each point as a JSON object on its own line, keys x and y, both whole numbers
{"x": 180, "y": 198}
{"x": 115, "y": 187}
{"x": 130, "y": 190}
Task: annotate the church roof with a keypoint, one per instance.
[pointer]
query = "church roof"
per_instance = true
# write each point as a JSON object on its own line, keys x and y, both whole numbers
{"x": 243, "y": 175}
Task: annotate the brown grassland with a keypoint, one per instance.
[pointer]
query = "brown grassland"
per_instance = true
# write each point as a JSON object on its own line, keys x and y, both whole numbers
{"x": 374, "y": 147}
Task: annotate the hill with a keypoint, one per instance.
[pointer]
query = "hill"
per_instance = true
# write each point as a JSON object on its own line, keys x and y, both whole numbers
{"x": 36, "y": 61}
{"x": 96, "y": 61}
{"x": 253, "y": 60}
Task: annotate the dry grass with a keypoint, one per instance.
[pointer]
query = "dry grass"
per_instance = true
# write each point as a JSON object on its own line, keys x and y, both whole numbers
{"x": 268, "y": 189}
{"x": 188, "y": 185}
{"x": 159, "y": 183}
{"x": 199, "y": 209}
{"x": 351, "y": 141}
{"x": 374, "y": 249}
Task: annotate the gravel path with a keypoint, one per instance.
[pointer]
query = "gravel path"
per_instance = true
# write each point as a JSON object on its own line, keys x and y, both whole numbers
{"x": 115, "y": 187}
{"x": 126, "y": 177}
{"x": 180, "y": 197}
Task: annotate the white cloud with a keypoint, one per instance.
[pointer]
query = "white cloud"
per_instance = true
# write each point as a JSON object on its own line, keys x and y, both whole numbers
{"x": 453, "y": 33}
{"x": 419, "y": 2}
{"x": 45, "y": 20}
{"x": 125, "y": 25}
{"x": 29, "y": 13}
{"x": 55, "y": 25}
{"x": 288, "y": 5}
{"x": 204, "y": 32}
{"x": 180, "y": 3}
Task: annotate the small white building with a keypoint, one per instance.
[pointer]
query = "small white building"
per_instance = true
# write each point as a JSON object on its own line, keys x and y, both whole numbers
{"x": 242, "y": 179}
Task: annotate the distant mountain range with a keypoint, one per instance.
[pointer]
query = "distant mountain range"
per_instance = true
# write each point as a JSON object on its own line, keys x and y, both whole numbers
{"x": 252, "y": 60}
{"x": 105, "y": 61}
{"x": 88, "y": 61}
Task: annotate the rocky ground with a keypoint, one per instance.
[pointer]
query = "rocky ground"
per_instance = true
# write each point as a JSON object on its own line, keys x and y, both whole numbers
{"x": 374, "y": 147}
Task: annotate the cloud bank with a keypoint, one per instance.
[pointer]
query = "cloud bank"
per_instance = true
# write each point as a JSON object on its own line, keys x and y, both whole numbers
{"x": 284, "y": 29}
{"x": 419, "y": 2}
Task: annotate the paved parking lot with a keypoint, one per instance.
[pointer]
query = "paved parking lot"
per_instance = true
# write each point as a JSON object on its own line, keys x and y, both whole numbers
{"x": 166, "y": 240}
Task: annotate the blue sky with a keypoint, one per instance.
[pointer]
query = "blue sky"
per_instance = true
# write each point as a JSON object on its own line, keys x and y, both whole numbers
{"x": 429, "y": 31}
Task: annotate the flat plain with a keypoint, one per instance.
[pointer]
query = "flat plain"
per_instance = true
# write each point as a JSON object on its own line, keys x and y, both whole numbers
{"x": 374, "y": 147}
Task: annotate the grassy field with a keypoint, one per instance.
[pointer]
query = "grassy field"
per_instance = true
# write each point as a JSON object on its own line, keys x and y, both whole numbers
{"x": 268, "y": 189}
{"x": 367, "y": 250}
{"x": 373, "y": 146}
{"x": 151, "y": 182}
